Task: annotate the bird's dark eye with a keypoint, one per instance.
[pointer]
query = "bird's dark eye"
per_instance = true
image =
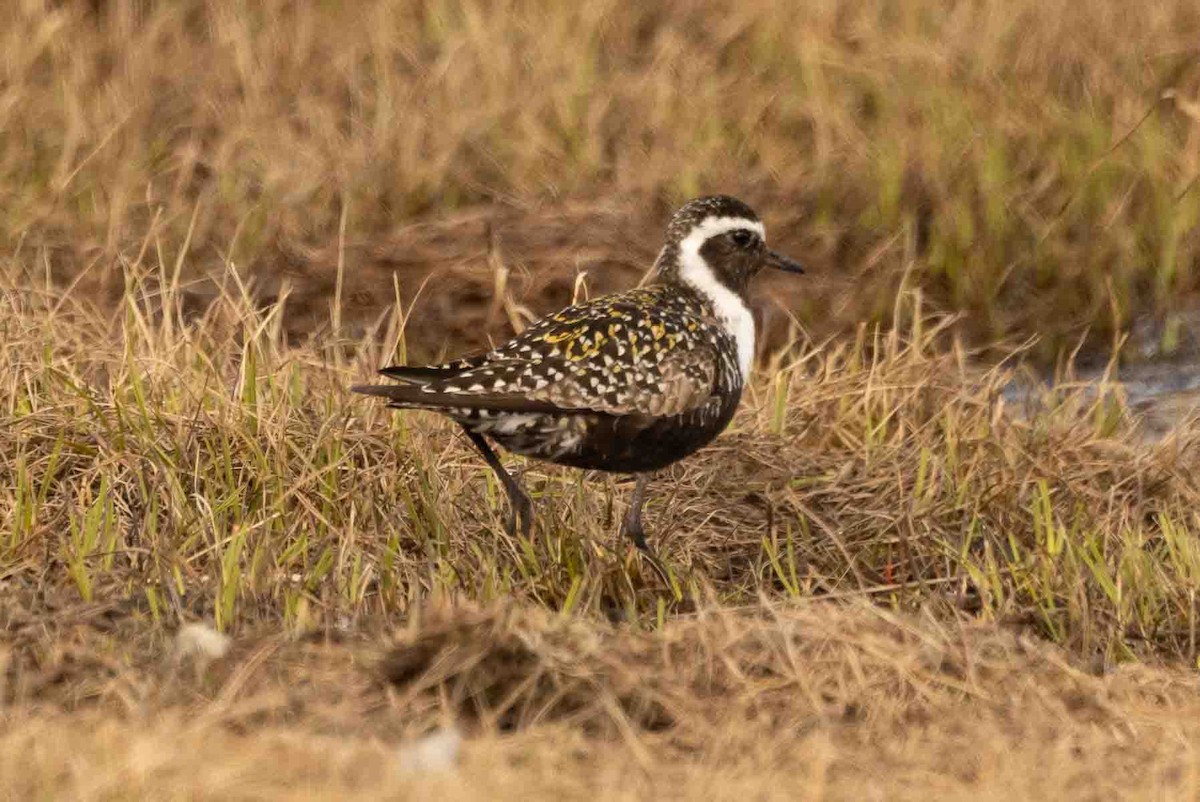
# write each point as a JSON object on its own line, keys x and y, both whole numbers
{"x": 741, "y": 237}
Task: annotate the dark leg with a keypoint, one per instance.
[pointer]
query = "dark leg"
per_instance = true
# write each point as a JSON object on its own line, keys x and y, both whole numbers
{"x": 632, "y": 526}
{"x": 521, "y": 508}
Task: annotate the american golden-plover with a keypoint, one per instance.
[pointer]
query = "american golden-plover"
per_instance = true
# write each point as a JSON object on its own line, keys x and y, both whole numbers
{"x": 629, "y": 382}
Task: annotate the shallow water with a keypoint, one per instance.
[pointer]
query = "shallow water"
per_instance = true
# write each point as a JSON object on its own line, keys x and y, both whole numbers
{"x": 1159, "y": 396}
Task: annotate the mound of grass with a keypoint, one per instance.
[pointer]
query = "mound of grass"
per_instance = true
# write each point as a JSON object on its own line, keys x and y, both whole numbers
{"x": 828, "y": 700}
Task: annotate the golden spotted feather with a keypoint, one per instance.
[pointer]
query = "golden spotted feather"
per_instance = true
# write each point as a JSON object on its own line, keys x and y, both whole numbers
{"x": 646, "y": 351}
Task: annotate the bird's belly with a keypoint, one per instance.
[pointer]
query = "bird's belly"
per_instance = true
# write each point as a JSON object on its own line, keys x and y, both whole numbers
{"x": 620, "y": 444}
{"x": 665, "y": 441}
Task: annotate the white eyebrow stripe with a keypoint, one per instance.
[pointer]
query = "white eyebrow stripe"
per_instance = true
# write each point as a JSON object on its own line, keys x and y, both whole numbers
{"x": 712, "y": 226}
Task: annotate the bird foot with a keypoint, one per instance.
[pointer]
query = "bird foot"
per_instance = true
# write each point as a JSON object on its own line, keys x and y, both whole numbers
{"x": 632, "y": 528}
{"x": 658, "y": 567}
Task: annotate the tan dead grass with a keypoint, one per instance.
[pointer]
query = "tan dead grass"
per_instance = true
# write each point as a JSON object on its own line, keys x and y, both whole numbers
{"x": 156, "y": 469}
{"x": 209, "y": 468}
{"x": 808, "y": 700}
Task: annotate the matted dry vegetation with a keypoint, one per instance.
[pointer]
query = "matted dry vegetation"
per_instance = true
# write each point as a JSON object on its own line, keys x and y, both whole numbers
{"x": 886, "y": 581}
{"x": 815, "y": 701}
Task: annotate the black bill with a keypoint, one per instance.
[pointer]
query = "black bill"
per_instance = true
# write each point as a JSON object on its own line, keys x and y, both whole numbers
{"x": 784, "y": 263}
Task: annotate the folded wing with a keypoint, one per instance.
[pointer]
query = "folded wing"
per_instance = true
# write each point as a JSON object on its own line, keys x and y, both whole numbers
{"x": 617, "y": 355}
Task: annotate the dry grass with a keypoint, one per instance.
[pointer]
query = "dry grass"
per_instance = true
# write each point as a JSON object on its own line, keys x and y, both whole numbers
{"x": 809, "y": 701}
{"x": 1030, "y": 163}
{"x": 199, "y": 261}
{"x": 156, "y": 470}
{"x": 208, "y": 468}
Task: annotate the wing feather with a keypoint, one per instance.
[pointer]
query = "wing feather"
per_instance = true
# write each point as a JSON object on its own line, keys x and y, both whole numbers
{"x": 632, "y": 353}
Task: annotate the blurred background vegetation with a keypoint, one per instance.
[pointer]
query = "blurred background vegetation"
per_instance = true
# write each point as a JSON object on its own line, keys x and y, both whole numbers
{"x": 1030, "y": 163}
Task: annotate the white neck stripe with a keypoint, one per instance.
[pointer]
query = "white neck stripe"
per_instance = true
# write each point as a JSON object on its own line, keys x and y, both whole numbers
{"x": 729, "y": 307}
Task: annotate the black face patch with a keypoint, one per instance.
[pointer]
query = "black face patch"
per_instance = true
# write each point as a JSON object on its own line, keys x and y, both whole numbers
{"x": 733, "y": 262}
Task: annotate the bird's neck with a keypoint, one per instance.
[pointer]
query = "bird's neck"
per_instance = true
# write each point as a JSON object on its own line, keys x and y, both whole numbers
{"x": 692, "y": 273}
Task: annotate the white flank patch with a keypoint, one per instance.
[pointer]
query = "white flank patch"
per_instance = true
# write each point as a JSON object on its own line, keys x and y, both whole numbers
{"x": 730, "y": 308}
{"x": 511, "y": 424}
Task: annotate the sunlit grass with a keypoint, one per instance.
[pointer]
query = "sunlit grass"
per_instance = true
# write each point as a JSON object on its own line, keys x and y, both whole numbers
{"x": 206, "y": 467}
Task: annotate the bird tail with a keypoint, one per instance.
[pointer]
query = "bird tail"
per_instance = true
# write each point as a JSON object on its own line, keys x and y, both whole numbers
{"x": 405, "y": 396}
{"x": 420, "y": 396}
{"x": 408, "y": 394}
{"x": 411, "y": 393}
{"x": 440, "y": 388}
{"x": 418, "y": 374}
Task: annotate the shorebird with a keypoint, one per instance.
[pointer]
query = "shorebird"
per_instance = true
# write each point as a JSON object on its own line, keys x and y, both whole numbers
{"x": 627, "y": 383}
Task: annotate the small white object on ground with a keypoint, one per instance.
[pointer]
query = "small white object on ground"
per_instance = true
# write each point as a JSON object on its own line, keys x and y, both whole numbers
{"x": 436, "y": 752}
{"x": 201, "y": 642}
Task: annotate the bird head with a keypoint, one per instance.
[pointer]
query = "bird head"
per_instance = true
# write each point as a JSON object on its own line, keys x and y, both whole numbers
{"x": 718, "y": 239}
